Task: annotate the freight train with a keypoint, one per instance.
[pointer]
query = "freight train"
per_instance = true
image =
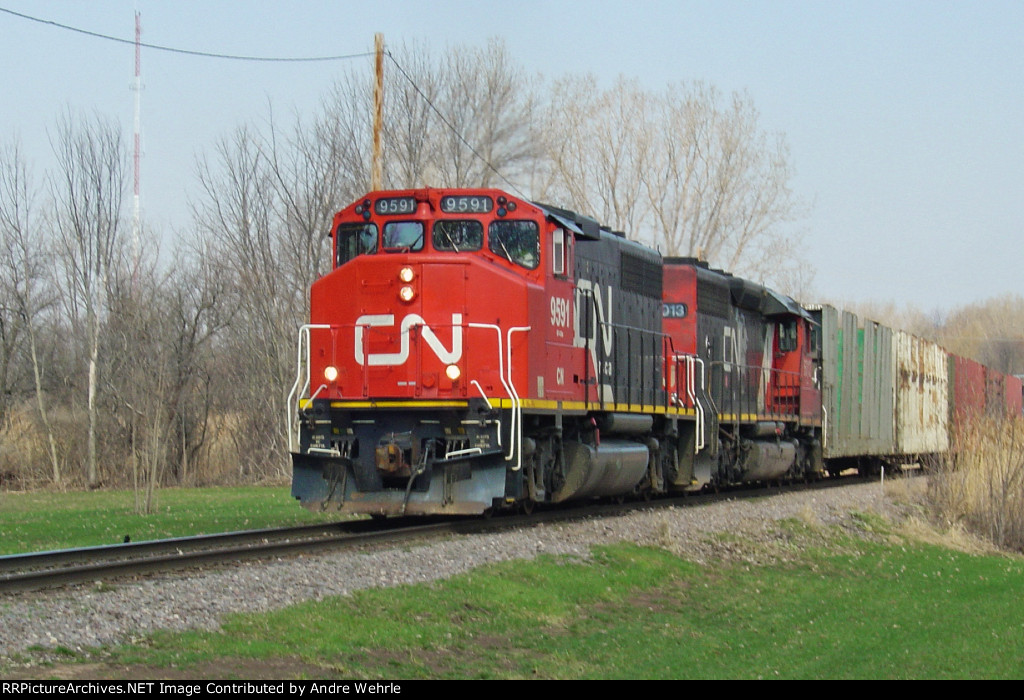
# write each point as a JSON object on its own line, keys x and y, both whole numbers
{"x": 471, "y": 351}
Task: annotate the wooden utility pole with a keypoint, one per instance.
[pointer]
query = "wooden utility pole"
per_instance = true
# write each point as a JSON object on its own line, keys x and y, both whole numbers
{"x": 377, "y": 176}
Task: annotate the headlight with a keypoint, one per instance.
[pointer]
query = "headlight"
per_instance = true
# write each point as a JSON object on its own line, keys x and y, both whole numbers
{"x": 406, "y": 274}
{"x": 453, "y": 372}
{"x": 331, "y": 373}
{"x": 406, "y": 293}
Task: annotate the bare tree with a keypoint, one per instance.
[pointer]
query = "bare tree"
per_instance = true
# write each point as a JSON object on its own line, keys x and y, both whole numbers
{"x": 490, "y": 105}
{"x": 138, "y": 368}
{"x": 314, "y": 172}
{"x": 599, "y": 145}
{"x": 23, "y": 288}
{"x": 463, "y": 117}
{"x": 14, "y": 206}
{"x": 718, "y": 186}
{"x": 88, "y": 190}
{"x": 195, "y": 301}
{"x": 240, "y": 233}
{"x": 410, "y": 123}
{"x": 158, "y": 341}
{"x": 686, "y": 171}
{"x": 991, "y": 332}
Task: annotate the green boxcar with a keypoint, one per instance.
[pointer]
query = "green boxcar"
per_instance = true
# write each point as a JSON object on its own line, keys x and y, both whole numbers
{"x": 858, "y": 367}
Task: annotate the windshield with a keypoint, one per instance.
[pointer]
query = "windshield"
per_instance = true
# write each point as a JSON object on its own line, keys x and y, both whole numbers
{"x": 518, "y": 241}
{"x": 355, "y": 239}
{"x": 403, "y": 235}
{"x": 458, "y": 236}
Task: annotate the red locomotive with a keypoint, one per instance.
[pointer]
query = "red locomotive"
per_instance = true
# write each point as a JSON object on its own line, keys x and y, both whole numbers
{"x": 472, "y": 351}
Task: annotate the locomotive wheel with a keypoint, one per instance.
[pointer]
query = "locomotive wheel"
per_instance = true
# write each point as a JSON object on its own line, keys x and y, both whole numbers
{"x": 528, "y": 505}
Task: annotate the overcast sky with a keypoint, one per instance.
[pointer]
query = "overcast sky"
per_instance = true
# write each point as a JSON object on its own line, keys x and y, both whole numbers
{"x": 905, "y": 120}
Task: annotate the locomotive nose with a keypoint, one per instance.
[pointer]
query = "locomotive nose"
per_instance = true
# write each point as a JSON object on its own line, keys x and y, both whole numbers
{"x": 407, "y": 334}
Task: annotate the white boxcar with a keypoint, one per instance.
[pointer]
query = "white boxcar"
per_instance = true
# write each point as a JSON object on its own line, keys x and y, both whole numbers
{"x": 922, "y": 396}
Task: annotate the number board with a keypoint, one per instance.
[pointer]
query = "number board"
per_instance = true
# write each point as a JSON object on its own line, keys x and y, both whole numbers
{"x": 395, "y": 205}
{"x": 673, "y": 310}
{"x": 464, "y": 204}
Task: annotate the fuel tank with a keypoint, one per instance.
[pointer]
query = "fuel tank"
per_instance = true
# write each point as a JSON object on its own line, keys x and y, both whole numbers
{"x": 765, "y": 460}
{"x": 610, "y": 469}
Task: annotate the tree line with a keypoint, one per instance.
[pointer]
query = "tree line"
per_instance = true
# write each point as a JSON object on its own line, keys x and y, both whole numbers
{"x": 117, "y": 369}
{"x": 989, "y": 331}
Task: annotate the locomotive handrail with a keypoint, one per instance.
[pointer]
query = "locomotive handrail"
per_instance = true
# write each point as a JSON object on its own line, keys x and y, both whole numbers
{"x": 743, "y": 394}
{"x": 517, "y": 402}
{"x": 301, "y": 386}
{"x": 482, "y": 394}
{"x": 463, "y": 453}
{"x": 601, "y": 325}
{"x": 507, "y": 383}
{"x": 290, "y": 415}
{"x": 704, "y": 390}
{"x": 673, "y": 374}
{"x": 489, "y": 407}
{"x": 317, "y": 392}
{"x": 691, "y": 363}
{"x": 684, "y": 370}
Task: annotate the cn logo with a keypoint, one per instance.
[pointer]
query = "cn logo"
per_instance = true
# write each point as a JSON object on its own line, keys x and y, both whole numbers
{"x": 399, "y": 358}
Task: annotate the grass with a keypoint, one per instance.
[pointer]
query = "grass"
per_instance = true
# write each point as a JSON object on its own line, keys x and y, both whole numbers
{"x": 810, "y": 603}
{"x": 40, "y": 521}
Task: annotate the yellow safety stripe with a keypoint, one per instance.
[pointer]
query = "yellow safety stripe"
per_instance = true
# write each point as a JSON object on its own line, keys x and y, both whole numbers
{"x": 547, "y": 405}
{"x": 399, "y": 404}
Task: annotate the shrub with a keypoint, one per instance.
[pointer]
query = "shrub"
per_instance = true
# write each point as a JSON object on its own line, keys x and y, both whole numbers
{"x": 980, "y": 483}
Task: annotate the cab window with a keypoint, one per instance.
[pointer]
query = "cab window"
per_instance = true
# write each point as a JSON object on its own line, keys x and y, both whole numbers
{"x": 518, "y": 241}
{"x": 558, "y": 252}
{"x": 403, "y": 235}
{"x": 457, "y": 236}
{"x": 815, "y": 337}
{"x": 787, "y": 336}
{"x": 355, "y": 239}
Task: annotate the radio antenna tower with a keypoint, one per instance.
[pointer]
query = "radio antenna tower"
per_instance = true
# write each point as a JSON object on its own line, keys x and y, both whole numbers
{"x": 137, "y": 87}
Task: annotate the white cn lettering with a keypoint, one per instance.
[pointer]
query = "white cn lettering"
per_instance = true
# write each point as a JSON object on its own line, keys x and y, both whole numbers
{"x": 400, "y": 357}
{"x": 587, "y": 293}
{"x": 603, "y": 311}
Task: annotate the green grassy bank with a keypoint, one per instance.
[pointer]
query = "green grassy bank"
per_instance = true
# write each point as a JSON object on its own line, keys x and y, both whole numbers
{"x": 808, "y": 602}
{"x": 39, "y": 521}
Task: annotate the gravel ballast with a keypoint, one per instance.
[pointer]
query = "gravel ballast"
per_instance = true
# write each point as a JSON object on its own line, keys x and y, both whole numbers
{"x": 103, "y": 614}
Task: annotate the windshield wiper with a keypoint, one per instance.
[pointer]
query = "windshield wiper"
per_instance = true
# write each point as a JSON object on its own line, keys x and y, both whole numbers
{"x": 450, "y": 240}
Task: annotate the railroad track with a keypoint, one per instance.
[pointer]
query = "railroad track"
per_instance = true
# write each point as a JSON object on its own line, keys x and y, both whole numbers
{"x": 38, "y": 570}
{"x": 41, "y": 570}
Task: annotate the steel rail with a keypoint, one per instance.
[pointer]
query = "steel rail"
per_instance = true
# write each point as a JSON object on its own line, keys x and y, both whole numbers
{"x": 37, "y": 560}
{"x": 42, "y": 570}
